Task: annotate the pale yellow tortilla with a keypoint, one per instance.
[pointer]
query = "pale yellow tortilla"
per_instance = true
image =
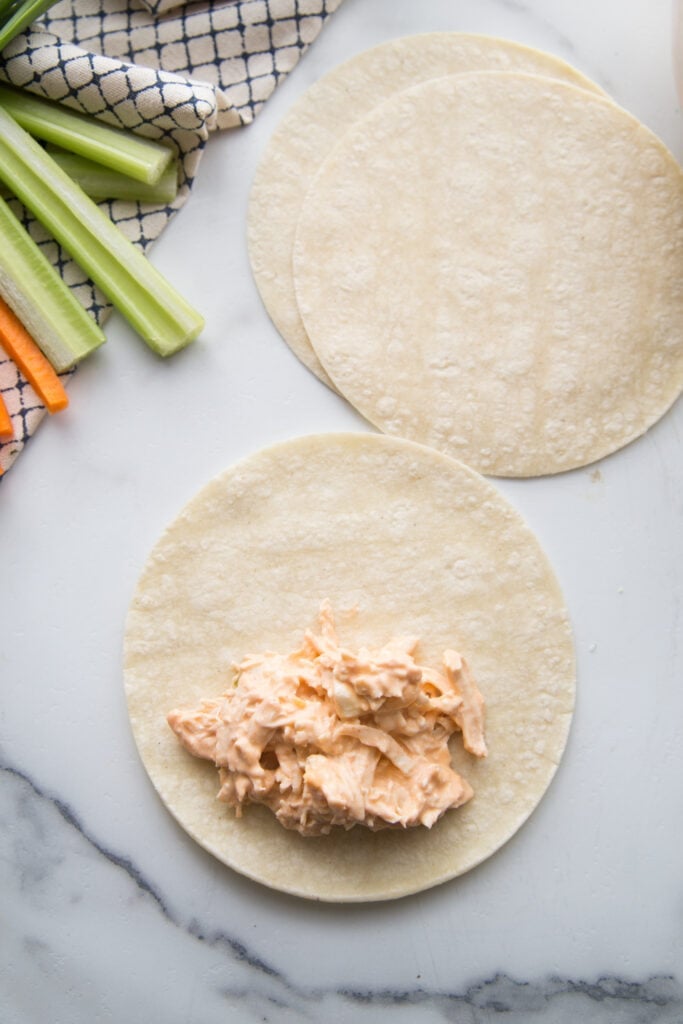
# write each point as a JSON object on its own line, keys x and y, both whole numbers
{"x": 492, "y": 264}
{"x": 420, "y": 545}
{"x": 317, "y": 121}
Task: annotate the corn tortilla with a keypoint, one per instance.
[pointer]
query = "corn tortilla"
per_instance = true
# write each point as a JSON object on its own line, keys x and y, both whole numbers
{"x": 491, "y": 264}
{"x": 419, "y": 544}
{"x": 317, "y": 121}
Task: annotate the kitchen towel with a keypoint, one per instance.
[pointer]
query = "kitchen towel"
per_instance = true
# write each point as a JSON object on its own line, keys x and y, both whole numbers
{"x": 169, "y": 72}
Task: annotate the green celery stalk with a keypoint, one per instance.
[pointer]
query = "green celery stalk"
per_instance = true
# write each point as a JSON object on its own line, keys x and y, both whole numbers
{"x": 20, "y": 18}
{"x": 101, "y": 183}
{"x": 36, "y": 293}
{"x": 159, "y": 314}
{"x": 7, "y": 8}
{"x": 121, "y": 150}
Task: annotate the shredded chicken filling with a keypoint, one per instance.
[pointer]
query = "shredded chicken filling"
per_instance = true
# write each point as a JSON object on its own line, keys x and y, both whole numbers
{"x": 326, "y": 737}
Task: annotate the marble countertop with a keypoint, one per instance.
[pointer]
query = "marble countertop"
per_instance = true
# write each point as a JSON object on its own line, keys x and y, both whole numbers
{"x": 108, "y": 911}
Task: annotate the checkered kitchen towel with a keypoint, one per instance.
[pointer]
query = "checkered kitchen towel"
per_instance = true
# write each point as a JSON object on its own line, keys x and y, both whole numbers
{"x": 177, "y": 77}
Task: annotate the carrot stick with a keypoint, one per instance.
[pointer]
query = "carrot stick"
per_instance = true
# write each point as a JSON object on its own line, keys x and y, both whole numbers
{"x": 6, "y": 428}
{"x": 22, "y": 349}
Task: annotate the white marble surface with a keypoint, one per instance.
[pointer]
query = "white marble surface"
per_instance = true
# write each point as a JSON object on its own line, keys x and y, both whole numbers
{"x": 108, "y": 912}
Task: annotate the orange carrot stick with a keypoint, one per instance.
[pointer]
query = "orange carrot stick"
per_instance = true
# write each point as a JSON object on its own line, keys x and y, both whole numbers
{"x": 22, "y": 350}
{"x": 6, "y": 428}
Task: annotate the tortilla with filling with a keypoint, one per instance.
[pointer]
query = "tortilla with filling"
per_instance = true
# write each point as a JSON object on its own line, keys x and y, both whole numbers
{"x": 416, "y": 543}
{"x": 318, "y": 120}
{"x": 490, "y": 264}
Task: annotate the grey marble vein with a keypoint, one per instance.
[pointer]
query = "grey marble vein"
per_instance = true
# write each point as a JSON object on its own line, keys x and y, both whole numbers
{"x": 64, "y": 884}
{"x": 30, "y": 870}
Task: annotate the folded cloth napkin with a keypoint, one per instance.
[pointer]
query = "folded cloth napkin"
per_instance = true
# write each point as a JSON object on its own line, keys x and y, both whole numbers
{"x": 205, "y": 67}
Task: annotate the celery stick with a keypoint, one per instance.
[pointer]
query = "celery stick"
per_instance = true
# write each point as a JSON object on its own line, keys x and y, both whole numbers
{"x": 46, "y": 306}
{"x": 159, "y": 314}
{"x": 100, "y": 183}
{"x": 7, "y": 8}
{"x": 122, "y": 151}
{"x": 20, "y": 18}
